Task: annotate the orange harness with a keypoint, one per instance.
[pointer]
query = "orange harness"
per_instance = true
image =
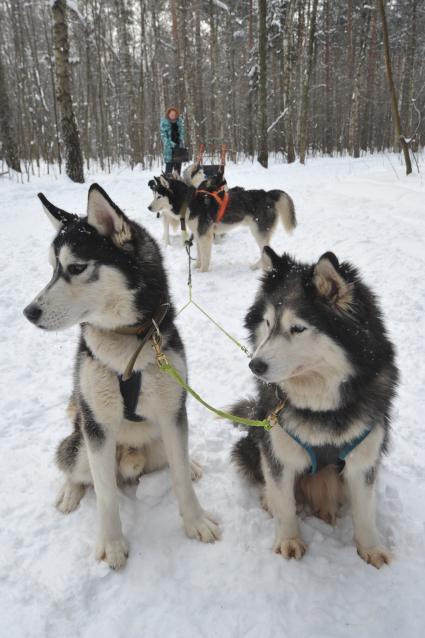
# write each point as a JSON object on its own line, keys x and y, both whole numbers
{"x": 222, "y": 203}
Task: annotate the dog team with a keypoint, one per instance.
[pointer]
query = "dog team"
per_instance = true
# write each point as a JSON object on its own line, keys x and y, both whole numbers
{"x": 321, "y": 358}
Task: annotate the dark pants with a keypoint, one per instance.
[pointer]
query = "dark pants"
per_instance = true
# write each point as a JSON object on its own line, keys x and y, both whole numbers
{"x": 170, "y": 166}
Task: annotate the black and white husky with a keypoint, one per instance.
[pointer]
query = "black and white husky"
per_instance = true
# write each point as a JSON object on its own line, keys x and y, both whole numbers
{"x": 109, "y": 278}
{"x": 321, "y": 349}
{"x": 171, "y": 215}
{"x": 258, "y": 209}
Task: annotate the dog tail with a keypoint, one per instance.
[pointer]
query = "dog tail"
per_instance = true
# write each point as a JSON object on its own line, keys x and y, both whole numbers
{"x": 285, "y": 208}
{"x": 246, "y": 452}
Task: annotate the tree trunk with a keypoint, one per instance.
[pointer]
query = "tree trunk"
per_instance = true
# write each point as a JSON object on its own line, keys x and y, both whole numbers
{"x": 306, "y": 85}
{"x": 288, "y": 56}
{"x": 251, "y": 87}
{"x": 407, "y": 86}
{"x": 263, "y": 153}
{"x": 10, "y": 148}
{"x": 353, "y": 131}
{"x": 74, "y": 158}
{"x": 391, "y": 86}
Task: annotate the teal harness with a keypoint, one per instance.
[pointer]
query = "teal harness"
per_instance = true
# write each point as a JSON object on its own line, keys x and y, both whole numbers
{"x": 343, "y": 452}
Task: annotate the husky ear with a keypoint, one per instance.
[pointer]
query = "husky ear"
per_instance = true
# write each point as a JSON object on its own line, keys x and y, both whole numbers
{"x": 330, "y": 284}
{"x": 106, "y": 217}
{"x": 164, "y": 182}
{"x": 272, "y": 261}
{"x": 57, "y": 216}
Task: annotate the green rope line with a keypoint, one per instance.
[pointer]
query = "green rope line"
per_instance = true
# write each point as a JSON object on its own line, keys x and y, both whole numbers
{"x": 235, "y": 341}
{"x": 166, "y": 367}
{"x": 204, "y": 312}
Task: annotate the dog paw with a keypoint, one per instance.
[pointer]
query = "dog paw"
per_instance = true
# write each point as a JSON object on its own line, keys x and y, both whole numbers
{"x": 115, "y": 552}
{"x": 195, "y": 471}
{"x": 204, "y": 528}
{"x": 327, "y": 516}
{"x": 131, "y": 464}
{"x": 290, "y": 548}
{"x": 376, "y": 556}
{"x": 69, "y": 497}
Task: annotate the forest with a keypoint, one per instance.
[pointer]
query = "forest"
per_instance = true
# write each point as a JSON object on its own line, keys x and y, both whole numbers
{"x": 86, "y": 82}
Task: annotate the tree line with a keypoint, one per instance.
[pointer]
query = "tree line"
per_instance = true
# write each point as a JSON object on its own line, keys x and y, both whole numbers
{"x": 87, "y": 81}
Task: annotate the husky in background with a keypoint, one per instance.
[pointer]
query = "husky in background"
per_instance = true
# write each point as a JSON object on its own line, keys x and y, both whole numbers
{"x": 321, "y": 351}
{"x": 172, "y": 212}
{"x": 192, "y": 176}
{"x": 109, "y": 277}
{"x": 258, "y": 209}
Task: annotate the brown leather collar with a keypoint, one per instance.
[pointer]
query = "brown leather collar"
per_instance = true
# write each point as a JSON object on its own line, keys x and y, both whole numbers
{"x": 147, "y": 328}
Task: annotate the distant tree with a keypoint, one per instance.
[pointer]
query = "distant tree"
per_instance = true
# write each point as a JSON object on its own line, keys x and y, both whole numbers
{"x": 391, "y": 86}
{"x": 74, "y": 158}
{"x": 263, "y": 153}
{"x": 10, "y": 148}
{"x": 409, "y": 67}
{"x": 306, "y": 85}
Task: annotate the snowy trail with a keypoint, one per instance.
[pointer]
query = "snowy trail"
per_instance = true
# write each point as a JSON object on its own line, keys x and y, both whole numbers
{"x": 50, "y": 584}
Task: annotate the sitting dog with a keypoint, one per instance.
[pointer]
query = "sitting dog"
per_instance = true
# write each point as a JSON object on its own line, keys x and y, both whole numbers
{"x": 109, "y": 277}
{"x": 323, "y": 359}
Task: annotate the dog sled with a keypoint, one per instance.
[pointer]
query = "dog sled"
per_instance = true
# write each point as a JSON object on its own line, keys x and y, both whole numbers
{"x": 211, "y": 170}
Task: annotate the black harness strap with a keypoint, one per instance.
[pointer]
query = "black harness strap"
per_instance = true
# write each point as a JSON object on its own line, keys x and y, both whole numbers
{"x": 130, "y": 392}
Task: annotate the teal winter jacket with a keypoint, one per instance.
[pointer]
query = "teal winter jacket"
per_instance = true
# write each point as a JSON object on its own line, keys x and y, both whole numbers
{"x": 168, "y": 144}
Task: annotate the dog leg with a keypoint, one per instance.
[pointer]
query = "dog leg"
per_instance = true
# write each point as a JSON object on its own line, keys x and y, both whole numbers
{"x": 198, "y": 253}
{"x": 280, "y": 498}
{"x": 362, "y": 497}
{"x": 262, "y": 239}
{"x": 102, "y": 412}
{"x": 111, "y": 545}
{"x": 205, "y": 246}
{"x": 360, "y": 473}
{"x": 166, "y": 233}
{"x": 197, "y": 523}
{"x": 71, "y": 458}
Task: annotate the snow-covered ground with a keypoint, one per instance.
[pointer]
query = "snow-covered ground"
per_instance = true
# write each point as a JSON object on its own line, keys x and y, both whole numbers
{"x": 367, "y": 212}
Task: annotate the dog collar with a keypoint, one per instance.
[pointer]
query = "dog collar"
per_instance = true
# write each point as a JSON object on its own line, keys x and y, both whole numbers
{"x": 147, "y": 329}
{"x": 343, "y": 452}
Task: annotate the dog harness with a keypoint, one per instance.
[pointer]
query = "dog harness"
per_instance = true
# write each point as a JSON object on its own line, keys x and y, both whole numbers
{"x": 131, "y": 382}
{"x": 130, "y": 392}
{"x": 222, "y": 202}
{"x": 342, "y": 452}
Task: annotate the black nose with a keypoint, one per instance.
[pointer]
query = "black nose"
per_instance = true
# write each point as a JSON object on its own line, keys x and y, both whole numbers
{"x": 258, "y": 366}
{"x": 33, "y": 312}
{"x": 149, "y": 207}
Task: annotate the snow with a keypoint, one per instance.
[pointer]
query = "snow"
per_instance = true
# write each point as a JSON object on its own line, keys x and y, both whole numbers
{"x": 367, "y": 212}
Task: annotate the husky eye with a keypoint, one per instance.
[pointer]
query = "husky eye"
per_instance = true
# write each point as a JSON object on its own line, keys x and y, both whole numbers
{"x": 76, "y": 269}
{"x": 294, "y": 330}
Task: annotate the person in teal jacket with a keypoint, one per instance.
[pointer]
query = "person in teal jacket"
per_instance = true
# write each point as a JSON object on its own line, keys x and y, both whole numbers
{"x": 172, "y": 136}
